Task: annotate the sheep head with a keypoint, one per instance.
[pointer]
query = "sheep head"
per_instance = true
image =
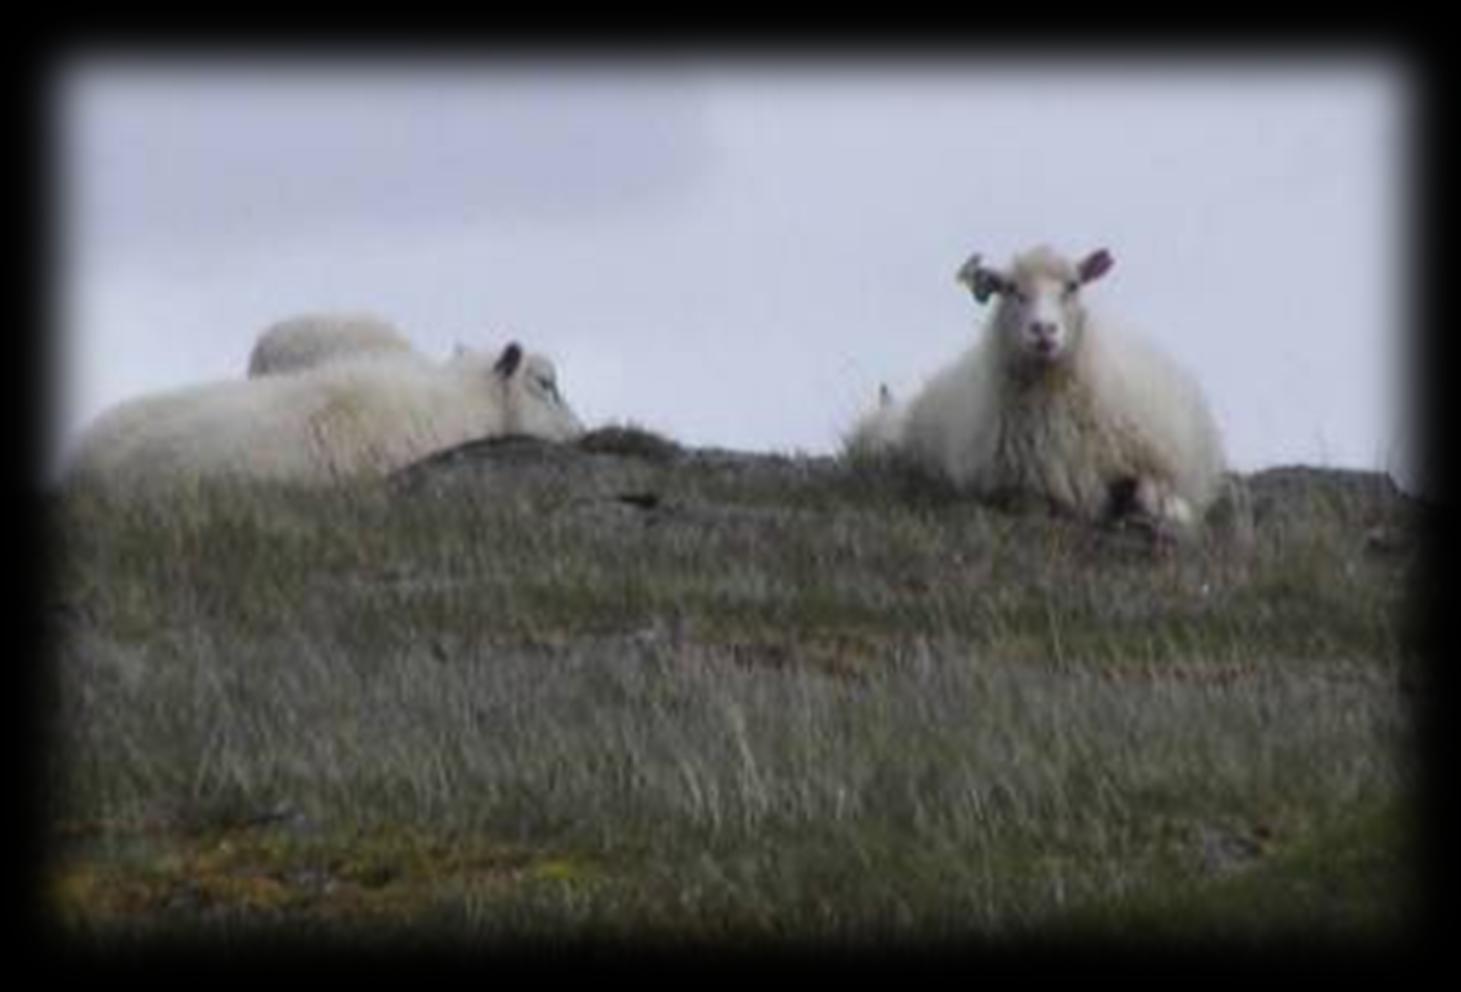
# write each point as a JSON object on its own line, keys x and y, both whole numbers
{"x": 525, "y": 389}
{"x": 1040, "y": 314}
{"x": 533, "y": 403}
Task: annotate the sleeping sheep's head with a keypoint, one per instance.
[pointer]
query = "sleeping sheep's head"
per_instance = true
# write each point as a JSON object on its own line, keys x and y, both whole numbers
{"x": 528, "y": 386}
{"x": 534, "y": 405}
{"x": 1040, "y": 313}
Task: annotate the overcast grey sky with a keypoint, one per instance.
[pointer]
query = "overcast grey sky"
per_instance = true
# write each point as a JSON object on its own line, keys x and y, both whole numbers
{"x": 738, "y": 253}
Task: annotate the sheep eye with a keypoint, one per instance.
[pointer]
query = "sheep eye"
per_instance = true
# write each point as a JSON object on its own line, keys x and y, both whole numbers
{"x": 1071, "y": 287}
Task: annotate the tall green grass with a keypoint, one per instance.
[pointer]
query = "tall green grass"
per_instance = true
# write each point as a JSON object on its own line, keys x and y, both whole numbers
{"x": 784, "y": 699}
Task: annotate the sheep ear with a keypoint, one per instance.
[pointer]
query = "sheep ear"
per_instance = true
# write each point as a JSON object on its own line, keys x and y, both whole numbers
{"x": 982, "y": 282}
{"x": 1095, "y": 265}
{"x": 509, "y": 360}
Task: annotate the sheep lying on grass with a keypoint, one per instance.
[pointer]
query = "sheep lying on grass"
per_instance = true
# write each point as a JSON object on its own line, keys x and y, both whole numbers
{"x": 1052, "y": 403}
{"x": 878, "y": 431}
{"x": 313, "y": 339}
{"x": 363, "y": 415}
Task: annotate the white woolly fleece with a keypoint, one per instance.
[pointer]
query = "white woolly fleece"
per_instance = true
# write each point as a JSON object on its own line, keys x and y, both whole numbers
{"x": 1115, "y": 408}
{"x": 313, "y": 339}
{"x": 365, "y": 415}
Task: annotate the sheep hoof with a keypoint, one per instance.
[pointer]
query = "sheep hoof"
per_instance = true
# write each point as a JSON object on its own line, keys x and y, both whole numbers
{"x": 1178, "y": 511}
{"x": 1146, "y": 504}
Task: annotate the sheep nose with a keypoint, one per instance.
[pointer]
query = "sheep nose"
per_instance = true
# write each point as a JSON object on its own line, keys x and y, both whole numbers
{"x": 1043, "y": 329}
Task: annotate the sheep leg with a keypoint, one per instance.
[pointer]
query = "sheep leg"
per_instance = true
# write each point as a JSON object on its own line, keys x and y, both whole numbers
{"x": 1145, "y": 497}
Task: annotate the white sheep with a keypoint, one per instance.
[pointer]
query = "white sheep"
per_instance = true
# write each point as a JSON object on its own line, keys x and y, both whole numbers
{"x": 1052, "y": 403}
{"x": 877, "y": 432}
{"x": 359, "y": 416}
{"x": 313, "y": 339}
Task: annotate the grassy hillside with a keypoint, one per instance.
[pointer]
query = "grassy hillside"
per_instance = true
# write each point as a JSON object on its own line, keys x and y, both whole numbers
{"x": 623, "y": 690}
